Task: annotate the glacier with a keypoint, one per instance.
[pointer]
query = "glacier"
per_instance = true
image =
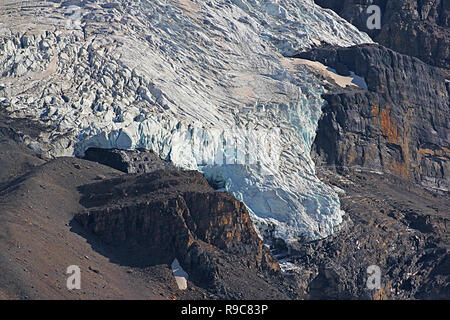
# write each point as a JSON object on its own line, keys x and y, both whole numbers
{"x": 208, "y": 85}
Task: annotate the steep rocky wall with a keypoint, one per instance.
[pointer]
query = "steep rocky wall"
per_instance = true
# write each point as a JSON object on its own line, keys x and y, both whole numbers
{"x": 175, "y": 214}
{"x": 392, "y": 223}
{"x": 400, "y": 125}
{"x": 419, "y": 28}
{"x": 128, "y": 161}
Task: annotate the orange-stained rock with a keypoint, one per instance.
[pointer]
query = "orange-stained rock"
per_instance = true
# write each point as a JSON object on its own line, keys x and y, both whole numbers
{"x": 400, "y": 125}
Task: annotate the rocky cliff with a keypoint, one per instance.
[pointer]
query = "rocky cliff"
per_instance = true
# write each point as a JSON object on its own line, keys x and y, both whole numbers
{"x": 419, "y": 28}
{"x": 128, "y": 161}
{"x": 394, "y": 224}
{"x": 165, "y": 215}
{"x": 400, "y": 125}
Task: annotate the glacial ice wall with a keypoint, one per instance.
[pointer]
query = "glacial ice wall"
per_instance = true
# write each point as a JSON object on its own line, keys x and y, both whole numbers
{"x": 205, "y": 84}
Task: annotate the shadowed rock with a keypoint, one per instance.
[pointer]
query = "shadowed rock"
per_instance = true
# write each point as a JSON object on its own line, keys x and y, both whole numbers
{"x": 128, "y": 161}
{"x": 400, "y": 125}
{"x": 419, "y": 28}
{"x": 166, "y": 215}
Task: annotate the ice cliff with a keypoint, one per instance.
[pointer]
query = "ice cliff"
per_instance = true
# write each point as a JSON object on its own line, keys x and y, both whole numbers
{"x": 206, "y": 84}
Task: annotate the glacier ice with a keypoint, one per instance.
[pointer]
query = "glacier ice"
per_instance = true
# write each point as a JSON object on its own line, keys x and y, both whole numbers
{"x": 181, "y": 276}
{"x": 186, "y": 79}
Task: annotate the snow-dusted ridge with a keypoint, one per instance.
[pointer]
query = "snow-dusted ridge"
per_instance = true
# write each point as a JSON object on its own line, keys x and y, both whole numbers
{"x": 176, "y": 76}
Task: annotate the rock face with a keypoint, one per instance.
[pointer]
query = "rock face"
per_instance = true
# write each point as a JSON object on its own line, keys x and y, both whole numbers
{"x": 401, "y": 125}
{"x": 391, "y": 223}
{"x": 128, "y": 161}
{"x": 15, "y": 157}
{"x": 167, "y": 215}
{"x": 412, "y": 27}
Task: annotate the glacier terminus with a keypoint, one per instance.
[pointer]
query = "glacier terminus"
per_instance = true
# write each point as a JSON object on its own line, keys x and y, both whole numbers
{"x": 208, "y": 85}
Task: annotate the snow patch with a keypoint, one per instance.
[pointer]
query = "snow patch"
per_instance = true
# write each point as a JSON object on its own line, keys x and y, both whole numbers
{"x": 181, "y": 276}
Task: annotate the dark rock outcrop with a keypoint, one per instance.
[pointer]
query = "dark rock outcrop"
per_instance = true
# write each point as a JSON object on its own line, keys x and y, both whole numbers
{"x": 394, "y": 224}
{"x": 128, "y": 161}
{"x": 165, "y": 215}
{"x": 401, "y": 125}
{"x": 418, "y": 28}
{"x": 15, "y": 157}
